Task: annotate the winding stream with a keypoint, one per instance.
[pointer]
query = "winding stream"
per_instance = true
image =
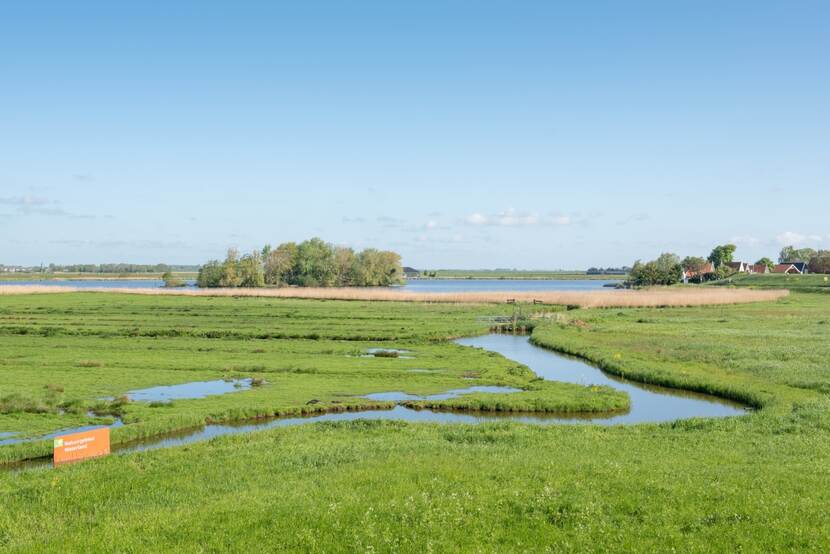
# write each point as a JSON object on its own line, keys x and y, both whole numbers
{"x": 649, "y": 404}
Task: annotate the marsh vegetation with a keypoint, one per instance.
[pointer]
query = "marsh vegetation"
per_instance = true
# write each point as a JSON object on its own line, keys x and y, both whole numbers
{"x": 752, "y": 483}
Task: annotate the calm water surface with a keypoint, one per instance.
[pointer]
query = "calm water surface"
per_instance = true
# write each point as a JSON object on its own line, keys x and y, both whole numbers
{"x": 649, "y": 404}
{"x": 415, "y": 285}
{"x": 98, "y": 283}
{"x": 502, "y": 285}
{"x": 184, "y": 391}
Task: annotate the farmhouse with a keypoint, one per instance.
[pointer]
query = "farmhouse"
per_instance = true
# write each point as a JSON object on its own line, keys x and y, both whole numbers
{"x": 800, "y": 266}
{"x": 759, "y": 268}
{"x": 740, "y": 267}
{"x": 789, "y": 269}
{"x": 691, "y": 273}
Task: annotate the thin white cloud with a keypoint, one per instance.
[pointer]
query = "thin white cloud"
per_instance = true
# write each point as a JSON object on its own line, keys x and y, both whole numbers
{"x": 797, "y": 239}
{"x": 745, "y": 241}
{"x": 143, "y": 243}
{"x": 515, "y": 218}
{"x": 38, "y": 205}
{"x": 476, "y": 219}
{"x": 634, "y": 218}
{"x": 24, "y": 201}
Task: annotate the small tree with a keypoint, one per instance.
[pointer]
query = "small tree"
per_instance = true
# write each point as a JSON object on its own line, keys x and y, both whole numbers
{"x": 251, "y": 274}
{"x": 665, "y": 270}
{"x": 230, "y": 269}
{"x": 820, "y": 262}
{"x": 722, "y": 254}
{"x": 767, "y": 262}
{"x": 210, "y": 275}
{"x": 790, "y": 254}
{"x": 280, "y": 265}
{"x": 171, "y": 280}
{"x": 693, "y": 263}
{"x": 345, "y": 263}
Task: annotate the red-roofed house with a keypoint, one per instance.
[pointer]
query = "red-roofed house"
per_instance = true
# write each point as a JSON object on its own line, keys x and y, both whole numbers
{"x": 691, "y": 273}
{"x": 759, "y": 268}
{"x": 786, "y": 268}
{"x": 739, "y": 267}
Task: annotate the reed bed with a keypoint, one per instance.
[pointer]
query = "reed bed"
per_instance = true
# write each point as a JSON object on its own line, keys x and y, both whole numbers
{"x": 596, "y": 299}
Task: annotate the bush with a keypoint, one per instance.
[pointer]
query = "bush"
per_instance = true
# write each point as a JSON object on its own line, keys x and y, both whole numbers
{"x": 171, "y": 280}
{"x": 665, "y": 270}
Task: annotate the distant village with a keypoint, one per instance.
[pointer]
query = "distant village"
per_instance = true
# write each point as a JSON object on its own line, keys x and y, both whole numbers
{"x": 789, "y": 268}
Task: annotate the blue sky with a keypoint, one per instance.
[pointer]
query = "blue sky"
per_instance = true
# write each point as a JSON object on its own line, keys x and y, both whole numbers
{"x": 461, "y": 134}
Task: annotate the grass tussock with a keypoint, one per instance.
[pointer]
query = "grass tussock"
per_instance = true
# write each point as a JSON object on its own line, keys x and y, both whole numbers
{"x": 656, "y": 297}
{"x": 545, "y": 397}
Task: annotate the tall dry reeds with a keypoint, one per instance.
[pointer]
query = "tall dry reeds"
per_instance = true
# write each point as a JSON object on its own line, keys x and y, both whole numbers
{"x": 595, "y": 299}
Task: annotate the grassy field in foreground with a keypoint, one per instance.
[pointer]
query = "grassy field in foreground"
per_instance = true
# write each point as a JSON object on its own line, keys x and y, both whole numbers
{"x": 60, "y": 354}
{"x": 778, "y": 281}
{"x": 519, "y": 274}
{"x": 759, "y": 483}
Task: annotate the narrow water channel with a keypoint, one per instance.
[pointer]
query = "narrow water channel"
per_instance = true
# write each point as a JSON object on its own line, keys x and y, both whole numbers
{"x": 649, "y": 404}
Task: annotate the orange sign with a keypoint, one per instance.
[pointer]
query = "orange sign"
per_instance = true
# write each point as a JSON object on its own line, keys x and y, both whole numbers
{"x": 79, "y": 446}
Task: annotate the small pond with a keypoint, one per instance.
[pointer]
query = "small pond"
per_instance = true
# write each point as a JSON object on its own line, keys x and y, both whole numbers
{"x": 186, "y": 391}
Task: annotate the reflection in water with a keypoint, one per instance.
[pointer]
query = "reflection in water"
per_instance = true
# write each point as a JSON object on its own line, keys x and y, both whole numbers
{"x": 649, "y": 403}
{"x": 455, "y": 393}
{"x": 184, "y": 391}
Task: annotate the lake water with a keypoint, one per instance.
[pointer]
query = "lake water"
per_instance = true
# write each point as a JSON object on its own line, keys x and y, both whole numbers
{"x": 502, "y": 285}
{"x": 96, "y": 283}
{"x": 415, "y": 285}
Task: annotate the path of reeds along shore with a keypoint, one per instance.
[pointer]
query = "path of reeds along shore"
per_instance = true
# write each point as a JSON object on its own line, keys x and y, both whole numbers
{"x": 594, "y": 299}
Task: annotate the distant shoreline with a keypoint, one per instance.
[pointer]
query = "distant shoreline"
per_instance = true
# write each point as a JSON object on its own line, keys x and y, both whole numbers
{"x": 442, "y": 275}
{"x": 22, "y": 276}
{"x": 518, "y": 276}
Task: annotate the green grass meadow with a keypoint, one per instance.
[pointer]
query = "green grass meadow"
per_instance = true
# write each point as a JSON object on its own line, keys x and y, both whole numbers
{"x": 779, "y": 281}
{"x": 757, "y": 483}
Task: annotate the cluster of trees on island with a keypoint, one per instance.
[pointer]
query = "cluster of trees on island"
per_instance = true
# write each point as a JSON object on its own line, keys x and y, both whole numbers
{"x": 311, "y": 263}
{"x": 668, "y": 268}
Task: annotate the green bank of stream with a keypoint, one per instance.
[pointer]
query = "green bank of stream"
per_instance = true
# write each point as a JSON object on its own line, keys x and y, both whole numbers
{"x": 649, "y": 404}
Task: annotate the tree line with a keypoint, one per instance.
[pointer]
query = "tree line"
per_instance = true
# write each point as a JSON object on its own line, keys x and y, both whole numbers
{"x": 668, "y": 268}
{"x": 311, "y": 263}
{"x": 818, "y": 261}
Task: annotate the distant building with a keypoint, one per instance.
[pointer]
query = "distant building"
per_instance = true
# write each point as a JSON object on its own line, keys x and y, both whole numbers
{"x": 788, "y": 269}
{"x": 802, "y": 267}
{"x": 739, "y": 267}
{"x": 759, "y": 268}
{"x": 411, "y": 273}
{"x": 692, "y": 273}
